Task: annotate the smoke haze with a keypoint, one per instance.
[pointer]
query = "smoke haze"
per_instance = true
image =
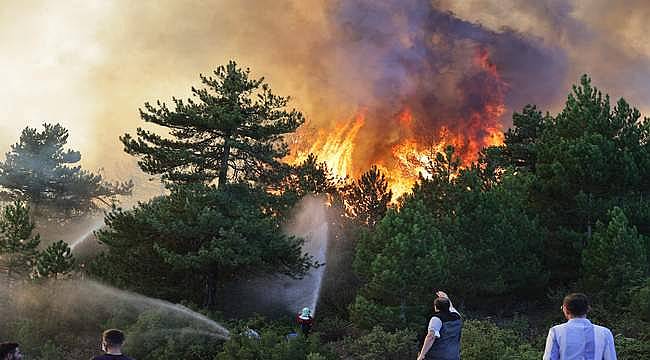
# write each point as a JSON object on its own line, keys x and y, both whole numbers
{"x": 91, "y": 65}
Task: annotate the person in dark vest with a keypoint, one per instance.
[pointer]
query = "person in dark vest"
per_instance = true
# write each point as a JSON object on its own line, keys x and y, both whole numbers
{"x": 443, "y": 337}
{"x": 112, "y": 341}
{"x": 10, "y": 351}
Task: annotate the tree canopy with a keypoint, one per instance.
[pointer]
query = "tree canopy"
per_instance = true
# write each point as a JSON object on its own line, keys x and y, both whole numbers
{"x": 230, "y": 131}
{"x": 39, "y": 169}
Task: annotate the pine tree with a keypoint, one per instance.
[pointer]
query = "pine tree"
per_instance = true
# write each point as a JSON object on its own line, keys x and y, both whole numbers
{"x": 399, "y": 261}
{"x": 367, "y": 199}
{"x": 40, "y": 170}
{"x": 231, "y": 131}
{"x": 614, "y": 259}
{"x": 18, "y": 246}
{"x": 56, "y": 261}
{"x": 195, "y": 239}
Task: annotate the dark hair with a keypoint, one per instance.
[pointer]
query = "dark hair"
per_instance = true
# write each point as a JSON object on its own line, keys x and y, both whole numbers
{"x": 442, "y": 304}
{"x": 7, "y": 348}
{"x": 577, "y": 304}
{"x": 113, "y": 337}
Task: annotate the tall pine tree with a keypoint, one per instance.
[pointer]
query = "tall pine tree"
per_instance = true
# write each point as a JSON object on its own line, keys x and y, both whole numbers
{"x": 231, "y": 131}
{"x": 367, "y": 198}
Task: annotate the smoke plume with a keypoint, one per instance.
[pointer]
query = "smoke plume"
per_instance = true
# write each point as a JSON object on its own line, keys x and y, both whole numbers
{"x": 90, "y": 65}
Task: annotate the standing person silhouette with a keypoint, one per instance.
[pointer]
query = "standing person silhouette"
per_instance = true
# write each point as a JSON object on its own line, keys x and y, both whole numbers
{"x": 10, "y": 351}
{"x": 578, "y": 338}
{"x": 305, "y": 321}
{"x": 112, "y": 341}
{"x": 443, "y": 337}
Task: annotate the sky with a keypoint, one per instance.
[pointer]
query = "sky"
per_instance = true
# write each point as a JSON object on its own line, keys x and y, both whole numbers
{"x": 90, "y": 65}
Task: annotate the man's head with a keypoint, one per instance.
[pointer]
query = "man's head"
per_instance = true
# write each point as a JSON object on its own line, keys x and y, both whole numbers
{"x": 10, "y": 351}
{"x": 441, "y": 304}
{"x": 112, "y": 340}
{"x": 575, "y": 305}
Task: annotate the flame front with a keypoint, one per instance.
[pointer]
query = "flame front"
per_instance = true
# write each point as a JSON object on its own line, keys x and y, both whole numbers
{"x": 403, "y": 145}
{"x": 333, "y": 146}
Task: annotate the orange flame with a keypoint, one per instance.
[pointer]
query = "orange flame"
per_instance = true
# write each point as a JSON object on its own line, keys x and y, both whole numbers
{"x": 334, "y": 146}
{"x": 412, "y": 150}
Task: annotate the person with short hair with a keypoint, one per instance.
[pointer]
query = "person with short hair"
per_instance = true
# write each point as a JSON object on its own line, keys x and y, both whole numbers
{"x": 578, "y": 338}
{"x": 10, "y": 351}
{"x": 443, "y": 337}
{"x": 112, "y": 341}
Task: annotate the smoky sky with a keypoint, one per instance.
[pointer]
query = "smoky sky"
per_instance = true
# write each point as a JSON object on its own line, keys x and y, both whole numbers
{"x": 91, "y": 65}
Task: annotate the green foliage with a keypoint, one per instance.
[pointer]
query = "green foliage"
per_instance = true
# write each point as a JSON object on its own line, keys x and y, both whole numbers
{"x": 55, "y": 261}
{"x": 630, "y": 348}
{"x": 521, "y": 141}
{"x": 614, "y": 259}
{"x": 640, "y": 304}
{"x": 380, "y": 344}
{"x": 231, "y": 131}
{"x": 494, "y": 243}
{"x": 198, "y": 236}
{"x": 157, "y": 336}
{"x": 493, "y": 240}
{"x": 310, "y": 177}
{"x": 485, "y": 341}
{"x": 367, "y": 198}
{"x": 40, "y": 170}
{"x": 273, "y": 345}
{"x": 399, "y": 262}
{"x": 18, "y": 246}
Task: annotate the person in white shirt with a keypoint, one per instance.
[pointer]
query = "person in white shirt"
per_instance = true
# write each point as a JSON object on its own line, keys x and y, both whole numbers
{"x": 444, "y": 331}
{"x": 578, "y": 338}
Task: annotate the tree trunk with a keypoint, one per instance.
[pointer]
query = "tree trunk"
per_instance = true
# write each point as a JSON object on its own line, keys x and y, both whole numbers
{"x": 223, "y": 169}
{"x": 211, "y": 290}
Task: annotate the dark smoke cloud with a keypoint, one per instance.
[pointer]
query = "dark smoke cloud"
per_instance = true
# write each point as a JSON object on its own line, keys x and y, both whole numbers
{"x": 604, "y": 39}
{"x": 90, "y": 65}
{"x": 409, "y": 54}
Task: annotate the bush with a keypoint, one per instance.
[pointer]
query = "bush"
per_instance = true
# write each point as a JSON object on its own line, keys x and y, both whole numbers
{"x": 156, "y": 335}
{"x": 483, "y": 340}
{"x": 273, "y": 345}
{"x": 614, "y": 260}
{"x": 382, "y": 345}
{"x": 640, "y": 304}
{"x": 631, "y": 349}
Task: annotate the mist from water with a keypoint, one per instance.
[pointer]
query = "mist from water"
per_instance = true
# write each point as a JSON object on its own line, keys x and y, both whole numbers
{"x": 82, "y": 306}
{"x": 310, "y": 223}
{"x": 273, "y": 295}
{"x": 143, "y": 302}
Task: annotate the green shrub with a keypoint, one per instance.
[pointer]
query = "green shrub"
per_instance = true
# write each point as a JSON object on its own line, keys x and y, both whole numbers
{"x": 640, "y": 304}
{"x": 273, "y": 345}
{"x": 156, "y": 335}
{"x": 382, "y": 345}
{"x": 483, "y": 340}
{"x": 631, "y": 349}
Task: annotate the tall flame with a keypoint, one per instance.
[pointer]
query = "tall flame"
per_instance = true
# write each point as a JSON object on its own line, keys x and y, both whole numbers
{"x": 411, "y": 142}
{"x": 333, "y": 146}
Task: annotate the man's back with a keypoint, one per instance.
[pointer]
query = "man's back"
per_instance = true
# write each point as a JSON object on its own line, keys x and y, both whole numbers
{"x": 577, "y": 339}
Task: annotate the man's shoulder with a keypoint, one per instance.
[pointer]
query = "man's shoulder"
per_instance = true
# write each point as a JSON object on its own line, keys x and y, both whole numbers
{"x": 603, "y": 329}
{"x": 558, "y": 327}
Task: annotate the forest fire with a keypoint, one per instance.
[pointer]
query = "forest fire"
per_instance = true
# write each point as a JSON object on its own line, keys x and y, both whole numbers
{"x": 403, "y": 145}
